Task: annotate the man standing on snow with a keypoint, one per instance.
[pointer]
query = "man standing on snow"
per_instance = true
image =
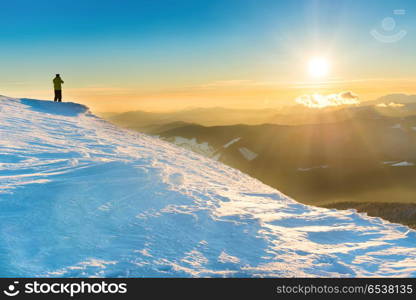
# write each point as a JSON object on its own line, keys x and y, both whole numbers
{"x": 57, "y": 84}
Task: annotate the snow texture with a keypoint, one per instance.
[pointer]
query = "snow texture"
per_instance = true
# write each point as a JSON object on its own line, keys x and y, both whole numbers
{"x": 81, "y": 197}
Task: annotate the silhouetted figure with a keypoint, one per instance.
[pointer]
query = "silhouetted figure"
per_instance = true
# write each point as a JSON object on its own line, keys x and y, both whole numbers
{"x": 57, "y": 84}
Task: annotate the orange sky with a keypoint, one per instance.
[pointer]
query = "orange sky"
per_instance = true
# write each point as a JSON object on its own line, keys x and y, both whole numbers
{"x": 227, "y": 93}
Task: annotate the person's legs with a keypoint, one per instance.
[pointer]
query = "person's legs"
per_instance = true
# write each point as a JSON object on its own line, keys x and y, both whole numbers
{"x": 59, "y": 96}
{"x": 56, "y": 96}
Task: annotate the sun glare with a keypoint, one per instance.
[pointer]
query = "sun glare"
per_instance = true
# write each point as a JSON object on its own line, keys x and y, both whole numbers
{"x": 318, "y": 67}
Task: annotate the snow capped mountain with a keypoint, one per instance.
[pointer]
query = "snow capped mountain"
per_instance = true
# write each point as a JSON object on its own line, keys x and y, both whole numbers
{"x": 82, "y": 197}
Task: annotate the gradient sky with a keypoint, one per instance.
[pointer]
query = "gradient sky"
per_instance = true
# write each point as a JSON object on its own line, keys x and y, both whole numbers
{"x": 154, "y": 54}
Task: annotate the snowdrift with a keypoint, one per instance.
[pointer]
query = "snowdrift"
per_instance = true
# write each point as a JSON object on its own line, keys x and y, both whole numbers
{"x": 81, "y": 197}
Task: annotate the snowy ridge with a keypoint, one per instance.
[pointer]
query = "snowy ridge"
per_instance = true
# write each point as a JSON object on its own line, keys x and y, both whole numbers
{"x": 81, "y": 197}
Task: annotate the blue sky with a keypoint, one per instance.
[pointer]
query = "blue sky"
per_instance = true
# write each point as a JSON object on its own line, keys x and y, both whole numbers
{"x": 146, "y": 48}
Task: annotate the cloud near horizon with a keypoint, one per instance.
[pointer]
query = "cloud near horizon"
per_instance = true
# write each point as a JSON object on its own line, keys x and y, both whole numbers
{"x": 321, "y": 101}
{"x": 391, "y": 104}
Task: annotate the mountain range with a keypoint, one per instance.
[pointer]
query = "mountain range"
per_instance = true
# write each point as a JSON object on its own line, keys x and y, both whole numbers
{"x": 360, "y": 156}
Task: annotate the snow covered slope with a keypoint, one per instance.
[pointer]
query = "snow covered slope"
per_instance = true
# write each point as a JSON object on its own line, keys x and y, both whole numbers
{"x": 81, "y": 197}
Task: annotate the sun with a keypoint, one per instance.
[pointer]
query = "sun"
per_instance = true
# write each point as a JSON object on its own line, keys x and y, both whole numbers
{"x": 318, "y": 67}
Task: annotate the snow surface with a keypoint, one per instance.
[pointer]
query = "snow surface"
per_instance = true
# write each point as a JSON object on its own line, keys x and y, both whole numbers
{"x": 233, "y": 141}
{"x": 403, "y": 164}
{"x": 247, "y": 154}
{"x": 81, "y": 197}
{"x": 398, "y": 163}
{"x": 202, "y": 148}
{"x": 312, "y": 168}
